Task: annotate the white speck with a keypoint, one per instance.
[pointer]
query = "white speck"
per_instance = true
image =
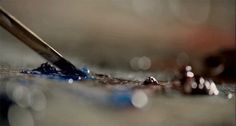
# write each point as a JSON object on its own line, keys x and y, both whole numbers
{"x": 190, "y": 74}
{"x": 70, "y": 81}
{"x": 188, "y": 68}
{"x": 207, "y": 84}
{"x": 213, "y": 89}
{"x": 194, "y": 85}
{"x": 139, "y": 99}
{"x": 201, "y": 86}
{"x": 216, "y": 92}
{"x": 229, "y": 96}
{"x": 201, "y": 80}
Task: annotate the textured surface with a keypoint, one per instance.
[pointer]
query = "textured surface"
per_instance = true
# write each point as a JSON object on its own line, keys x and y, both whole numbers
{"x": 58, "y": 106}
{"x": 107, "y": 36}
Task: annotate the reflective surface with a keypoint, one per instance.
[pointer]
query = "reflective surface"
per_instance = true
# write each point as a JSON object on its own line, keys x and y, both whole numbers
{"x": 41, "y": 101}
{"x": 129, "y": 39}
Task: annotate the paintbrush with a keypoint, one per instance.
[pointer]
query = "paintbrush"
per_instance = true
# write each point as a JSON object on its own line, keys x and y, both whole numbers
{"x": 16, "y": 28}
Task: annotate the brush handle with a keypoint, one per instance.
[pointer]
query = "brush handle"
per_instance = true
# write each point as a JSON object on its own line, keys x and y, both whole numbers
{"x": 15, "y": 27}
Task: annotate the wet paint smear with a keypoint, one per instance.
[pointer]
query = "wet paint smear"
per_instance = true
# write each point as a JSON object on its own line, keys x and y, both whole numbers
{"x": 52, "y": 72}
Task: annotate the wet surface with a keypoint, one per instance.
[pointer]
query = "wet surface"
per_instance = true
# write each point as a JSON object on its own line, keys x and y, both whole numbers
{"x": 134, "y": 54}
{"x": 53, "y": 73}
{"x": 113, "y": 97}
{"x": 110, "y": 101}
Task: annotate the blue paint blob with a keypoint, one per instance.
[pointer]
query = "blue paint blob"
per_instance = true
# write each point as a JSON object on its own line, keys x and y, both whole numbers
{"x": 121, "y": 98}
{"x": 51, "y": 72}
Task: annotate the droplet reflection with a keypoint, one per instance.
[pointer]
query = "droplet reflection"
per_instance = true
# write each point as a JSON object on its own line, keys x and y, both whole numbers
{"x": 140, "y": 63}
{"x": 18, "y": 116}
{"x": 139, "y": 99}
{"x": 37, "y": 100}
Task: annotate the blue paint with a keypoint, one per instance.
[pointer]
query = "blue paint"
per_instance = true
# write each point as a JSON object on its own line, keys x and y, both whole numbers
{"x": 116, "y": 98}
{"x": 51, "y": 72}
{"x": 121, "y": 98}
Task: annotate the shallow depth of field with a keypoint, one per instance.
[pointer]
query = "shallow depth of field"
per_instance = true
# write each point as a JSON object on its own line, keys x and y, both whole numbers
{"x": 128, "y": 39}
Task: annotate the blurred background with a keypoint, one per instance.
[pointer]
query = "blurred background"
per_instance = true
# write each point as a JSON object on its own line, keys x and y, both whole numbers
{"x": 123, "y": 34}
{"x": 129, "y": 39}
